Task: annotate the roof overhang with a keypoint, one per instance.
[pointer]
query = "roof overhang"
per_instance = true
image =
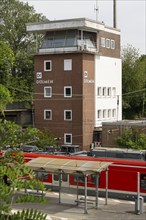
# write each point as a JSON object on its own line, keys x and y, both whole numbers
{"x": 70, "y": 166}
{"x": 78, "y": 23}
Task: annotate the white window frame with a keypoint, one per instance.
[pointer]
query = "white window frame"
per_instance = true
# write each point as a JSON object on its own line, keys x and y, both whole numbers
{"x": 114, "y": 113}
{"x": 47, "y": 110}
{"x": 99, "y": 91}
{"x": 109, "y": 91}
{"x": 99, "y": 113}
{"x": 108, "y": 43}
{"x": 67, "y": 64}
{"x": 104, "y": 91}
{"x": 65, "y": 136}
{"x": 114, "y": 91}
{"x": 68, "y": 87}
{"x": 113, "y": 44}
{"x": 45, "y": 94}
{"x": 47, "y": 70}
{"x": 102, "y": 42}
{"x": 109, "y": 113}
{"x": 66, "y": 119}
{"x": 104, "y": 113}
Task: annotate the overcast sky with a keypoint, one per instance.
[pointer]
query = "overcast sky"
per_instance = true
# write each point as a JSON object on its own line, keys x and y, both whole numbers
{"x": 131, "y": 16}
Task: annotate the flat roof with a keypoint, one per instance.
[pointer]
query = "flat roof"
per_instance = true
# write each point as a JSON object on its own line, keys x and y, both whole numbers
{"x": 67, "y": 165}
{"x": 126, "y": 123}
{"x": 77, "y": 23}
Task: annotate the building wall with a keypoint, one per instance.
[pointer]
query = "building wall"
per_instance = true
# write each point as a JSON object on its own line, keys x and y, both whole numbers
{"x": 110, "y": 132}
{"x": 88, "y": 99}
{"x": 83, "y": 96}
{"x": 108, "y": 75}
{"x": 109, "y": 52}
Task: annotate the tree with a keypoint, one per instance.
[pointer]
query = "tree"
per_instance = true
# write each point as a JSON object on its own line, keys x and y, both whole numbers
{"x": 133, "y": 82}
{"x": 132, "y": 139}
{"x": 5, "y": 98}
{"x": 15, "y": 176}
{"x": 6, "y": 62}
{"x": 14, "y": 136}
{"x": 15, "y": 14}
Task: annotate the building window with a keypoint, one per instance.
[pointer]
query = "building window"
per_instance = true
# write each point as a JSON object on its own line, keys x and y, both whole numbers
{"x": 68, "y": 91}
{"x": 109, "y": 113}
{"x": 99, "y": 114}
{"x": 48, "y": 91}
{"x": 47, "y": 114}
{"x": 68, "y": 115}
{"x": 99, "y": 91}
{"x": 107, "y": 43}
{"x": 114, "y": 91}
{"x": 104, "y": 91}
{"x": 102, "y": 42}
{"x": 114, "y": 113}
{"x": 109, "y": 91}
{"x": 104, "y": 113}
{"x": 68, "y": 64}
{"x": 112, "y": 44}
{"x": 67, "y": 138}
{"x": 47, "y": 65}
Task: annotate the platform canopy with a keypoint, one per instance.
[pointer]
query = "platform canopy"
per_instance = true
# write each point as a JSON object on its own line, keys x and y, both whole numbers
{"x": 57, "y": 165}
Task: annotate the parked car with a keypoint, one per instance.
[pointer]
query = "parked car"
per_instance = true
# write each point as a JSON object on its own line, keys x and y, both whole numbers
{"x": 29, "y": 148}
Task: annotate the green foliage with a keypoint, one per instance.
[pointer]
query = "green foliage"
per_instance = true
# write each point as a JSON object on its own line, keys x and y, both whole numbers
{"x": 5, "y": 98}
{"x": 29, "y": 214}
{"x": 12, "y": 135}
{"x": 15, "y": 15}
{"x": 132, "y": 139}
{"x": 19, "y": 177}
{"x": 45, "y": 139}
{"x": 133, "y": 83}
{"x": 6, "y": 62}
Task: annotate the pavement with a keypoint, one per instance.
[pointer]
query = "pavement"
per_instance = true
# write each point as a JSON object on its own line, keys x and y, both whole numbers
{"x": 68, "y": 210}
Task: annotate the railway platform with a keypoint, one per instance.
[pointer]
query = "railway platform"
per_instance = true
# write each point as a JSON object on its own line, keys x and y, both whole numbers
{"x": 69, "y": 210}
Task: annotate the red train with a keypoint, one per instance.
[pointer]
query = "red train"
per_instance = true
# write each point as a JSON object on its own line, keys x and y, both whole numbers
{"x": 122, "y": 176}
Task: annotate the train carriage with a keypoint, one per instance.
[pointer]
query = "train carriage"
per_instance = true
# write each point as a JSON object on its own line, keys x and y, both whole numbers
{"x": 122, "y": 175}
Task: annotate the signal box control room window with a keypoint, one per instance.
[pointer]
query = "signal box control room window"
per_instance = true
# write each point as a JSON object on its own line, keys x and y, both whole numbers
{"x": 67, "y": 138}
{"x": 47, "y": 65}
{"x": 68, "y": 115}
{"x": 67, "y": 91}
{"x": 48, "y": 91}
{"x": 47, "y": 114}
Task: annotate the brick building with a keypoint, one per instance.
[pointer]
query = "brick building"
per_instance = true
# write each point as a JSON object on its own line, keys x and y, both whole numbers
{"x": 112, "y": 130}
{"x": 77, "y": 79}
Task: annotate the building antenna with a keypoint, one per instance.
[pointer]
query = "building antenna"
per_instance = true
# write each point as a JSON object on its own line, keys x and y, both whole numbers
{"x": 96, "y": 9}
{"x": 114, "y": 14}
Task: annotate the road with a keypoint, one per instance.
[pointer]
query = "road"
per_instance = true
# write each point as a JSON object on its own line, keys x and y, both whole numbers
{"x": 68, "y": 210}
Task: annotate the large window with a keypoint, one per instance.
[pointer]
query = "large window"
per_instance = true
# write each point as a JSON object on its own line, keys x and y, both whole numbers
{"x": 47, "y": 114}
{"x": 67, "y": 138}
{"x": 48, "y": 91}
{"x": 47, "y": 65}
{"x": 68, "y": 115}
{"x": 68, "y": 64}
{"x": 68, "y": 91}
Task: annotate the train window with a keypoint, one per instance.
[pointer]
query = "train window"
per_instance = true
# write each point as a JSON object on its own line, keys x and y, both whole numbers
{"x": 64, "y": 177}
{"x": 143, "y": 181}
{"x": 79, "y": 178}
{"x": 42, "y": 175}
{"x": 56, "y": 177}
{"x": 94, "y": 180}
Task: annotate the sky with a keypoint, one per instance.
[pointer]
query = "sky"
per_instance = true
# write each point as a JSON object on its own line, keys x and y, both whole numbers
{"x": 131, "y": 16}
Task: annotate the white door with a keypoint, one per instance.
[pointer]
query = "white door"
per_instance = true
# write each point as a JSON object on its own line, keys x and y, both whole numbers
{"x": 64, "y": 179}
